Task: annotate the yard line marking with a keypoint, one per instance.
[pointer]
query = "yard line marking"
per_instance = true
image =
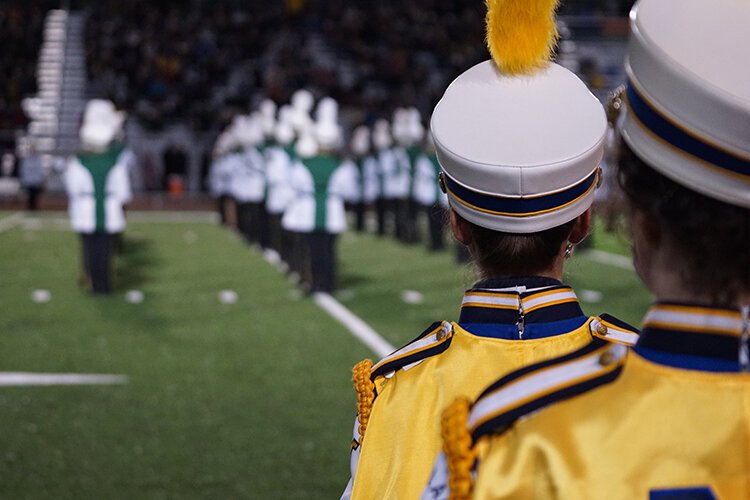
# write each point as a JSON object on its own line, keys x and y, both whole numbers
{"x": 611, "y": 259}
{"x": 173, "y": 216}
{"x": 354, "y": 324}
{"x": 11, "y": 221}
{"x": 8, "y": 379}
{"x": 56, "y": 221}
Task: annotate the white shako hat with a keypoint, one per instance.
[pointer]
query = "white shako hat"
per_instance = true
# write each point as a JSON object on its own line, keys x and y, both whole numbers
{"x": 414, "y": 126}
{"x": 381, "y": 135}
{"x": 519, "y": 139}
{"x": 306, "y": 146}
{"x": 688, "y": 94}
{"x": 327, "y": 130}
{"x": 360, "y": 144}
{"x": 268, "y": 112}
{"x": 102, "y": 123}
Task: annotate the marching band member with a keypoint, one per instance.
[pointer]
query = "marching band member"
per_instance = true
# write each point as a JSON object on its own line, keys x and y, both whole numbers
{"x": 668, "y": 418}
{"x": 279, "y": 160}
{"x": 97, "y": 183}
{"x": 318, "y": 208}
{"x": 384, "y": 204}
{"x": 519, "y": 141}
{"x": 248, "y": 177}
{"x": 428, "y": 195}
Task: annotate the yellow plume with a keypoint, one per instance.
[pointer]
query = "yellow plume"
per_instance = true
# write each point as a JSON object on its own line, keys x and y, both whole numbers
{"x": 521, "y": 34}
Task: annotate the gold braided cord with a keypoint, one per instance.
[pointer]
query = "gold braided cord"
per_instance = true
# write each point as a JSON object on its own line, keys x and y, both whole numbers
{"x": 458, "y": 449}
{"x": 365, "y": 389}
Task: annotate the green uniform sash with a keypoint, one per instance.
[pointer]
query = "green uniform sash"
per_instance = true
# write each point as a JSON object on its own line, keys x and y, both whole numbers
{"x": 321, "y": 169}
{"x": 99, "y": 166}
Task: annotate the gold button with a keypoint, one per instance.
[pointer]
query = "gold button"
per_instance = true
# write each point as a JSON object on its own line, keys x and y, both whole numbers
{"x": 601, "y": 329}
{"x": 441, "y": 181}
{"x": 606, "y": 359}
{"x": 441, "y": 334}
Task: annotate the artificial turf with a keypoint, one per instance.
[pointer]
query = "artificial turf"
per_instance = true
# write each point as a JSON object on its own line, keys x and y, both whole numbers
{"x": 244, "y": 400}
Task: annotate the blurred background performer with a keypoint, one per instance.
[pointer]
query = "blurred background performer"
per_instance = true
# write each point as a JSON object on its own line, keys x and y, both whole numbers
{"x": 97, "y": 184}
{"x": 31, "y": 175}
{"x": 279, "y": 160}
{"x": 667, "y": 419}
{"x": 428, "y": 196}
{"x": 519, "y": 140}
{"x": 220, "y": 174}
{"x": 248, "y": 177}
{"x": 318, "y": 211}
{"x": 384, "y": 204}
{"x": 366, "y": 175}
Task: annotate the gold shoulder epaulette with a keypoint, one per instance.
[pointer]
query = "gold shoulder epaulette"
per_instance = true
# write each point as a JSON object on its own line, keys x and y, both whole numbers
{"x": 611, "y": 329}
{"x": 434, "y": 340}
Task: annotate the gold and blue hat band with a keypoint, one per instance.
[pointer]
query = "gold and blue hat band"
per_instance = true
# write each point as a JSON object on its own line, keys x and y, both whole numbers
{"x": 677, "y": 136}
{"x": 519, "y": 206}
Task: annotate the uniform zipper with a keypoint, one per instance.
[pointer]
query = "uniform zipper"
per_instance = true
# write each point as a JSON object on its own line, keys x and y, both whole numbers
{"x": 521, "y": 323}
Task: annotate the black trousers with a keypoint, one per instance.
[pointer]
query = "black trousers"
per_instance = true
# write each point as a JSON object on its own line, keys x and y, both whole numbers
{"x": 32, "y": 197}
{"x": 359, "y": 215}
{"x": 381, "y": 209}
{"x": 221, "y": 206}
{"x": 322, "y": 261}
{"x": 275, "y": 240}
{"x": 97, "y": 260}
{"x": 245, "y": 220}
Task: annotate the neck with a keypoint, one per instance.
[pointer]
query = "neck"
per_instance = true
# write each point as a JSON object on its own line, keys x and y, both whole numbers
{"x": 555, "y": 272}
{"x": 665, "y": 281}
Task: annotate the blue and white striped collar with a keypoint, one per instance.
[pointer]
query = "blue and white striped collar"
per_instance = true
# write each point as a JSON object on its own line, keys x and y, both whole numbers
{"x": 533, "y": 306}
{"x": 694, "y": 337}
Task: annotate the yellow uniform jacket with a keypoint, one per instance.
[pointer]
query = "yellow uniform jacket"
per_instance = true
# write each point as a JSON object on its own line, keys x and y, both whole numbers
{"x": 503, "y": 325}
{"x": 668, "y": 419}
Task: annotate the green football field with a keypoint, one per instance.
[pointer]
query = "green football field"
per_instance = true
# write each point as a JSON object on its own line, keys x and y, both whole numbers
{"x": 250, "y": 399}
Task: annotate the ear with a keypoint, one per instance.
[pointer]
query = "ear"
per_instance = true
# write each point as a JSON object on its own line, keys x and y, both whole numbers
{"x": 460, "y": 228}
{"x": 581, "y": 227}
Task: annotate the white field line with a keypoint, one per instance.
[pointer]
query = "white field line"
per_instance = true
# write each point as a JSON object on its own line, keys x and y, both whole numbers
{"x": 354, "y": 324}
{"x": 26, "y": 378}
{"x": 11, "y": 221}
{"x": 172, "y": 216}
{"x": 610, "y": 259}
{"x": 61, "y": 222}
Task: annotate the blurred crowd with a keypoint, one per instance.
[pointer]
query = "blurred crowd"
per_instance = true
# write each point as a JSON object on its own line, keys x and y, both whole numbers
{"x": 21, "y": 28}
{"x": 203, "y": 64}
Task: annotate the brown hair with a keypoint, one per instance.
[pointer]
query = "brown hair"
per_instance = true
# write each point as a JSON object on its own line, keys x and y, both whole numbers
{"x": 711, "y": 238}
{"x": 510, "y": 254}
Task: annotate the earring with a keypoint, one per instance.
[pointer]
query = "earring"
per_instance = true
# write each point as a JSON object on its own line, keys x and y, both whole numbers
{"x": 568, "y": 250}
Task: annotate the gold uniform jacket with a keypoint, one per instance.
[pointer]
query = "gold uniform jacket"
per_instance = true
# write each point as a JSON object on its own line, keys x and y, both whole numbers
{"x": 668, "y": 419}
{"x": 499, "y": 329}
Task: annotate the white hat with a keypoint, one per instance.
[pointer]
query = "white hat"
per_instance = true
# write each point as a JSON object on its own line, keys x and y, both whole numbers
{"x": 302, "y": 104}
{"x": 306, "y": 146}
{"x": 268, "y": 113}
{"x": 327, "y": 129}
{"x": 381, "y": 135}
{"x": 400, "y": 127}
{"x": 247, "y": 130}
{"x": 285, "y": 114}
{"x": 688, "y": 95}
{"x": 360, "y": 144}
{"x": 519, "y": 139}
{"x": 415, "y": 129}
{"x": 283, "y": 133}
{"x": 101, "y": 125}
